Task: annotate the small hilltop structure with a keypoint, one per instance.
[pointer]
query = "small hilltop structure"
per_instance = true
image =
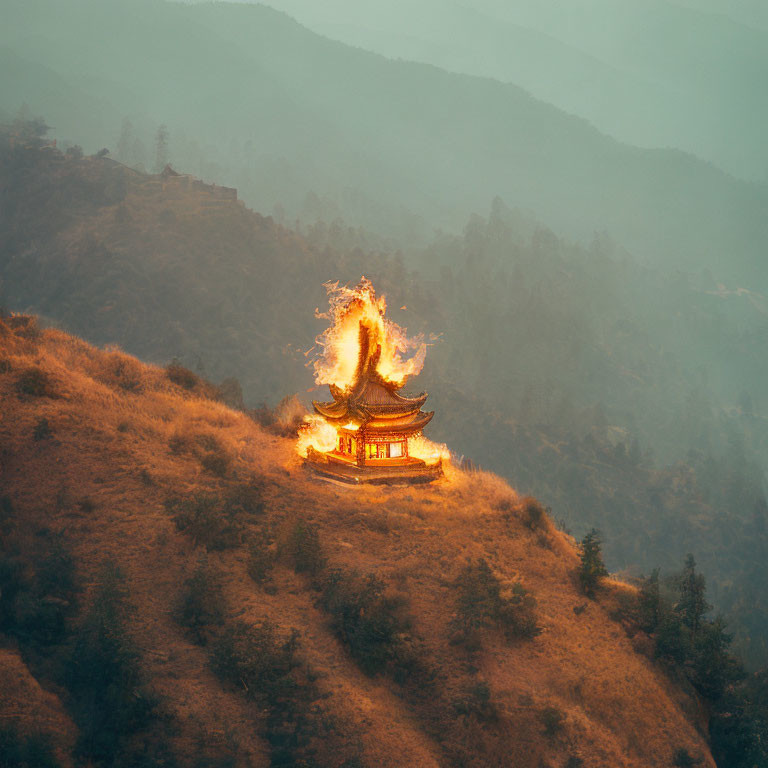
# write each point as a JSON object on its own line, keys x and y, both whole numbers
{"x": 369, "y": 432}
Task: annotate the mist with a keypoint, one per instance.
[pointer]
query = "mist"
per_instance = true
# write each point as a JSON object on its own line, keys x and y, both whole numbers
{"x": 571, "y": 198}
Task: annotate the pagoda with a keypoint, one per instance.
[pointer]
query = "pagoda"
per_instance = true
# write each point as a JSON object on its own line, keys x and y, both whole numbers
{"x": 373, "y": 423}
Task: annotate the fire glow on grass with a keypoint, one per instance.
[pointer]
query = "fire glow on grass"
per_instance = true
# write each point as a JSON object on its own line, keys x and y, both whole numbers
{"x": 430, "y": 453}
{"x": 316, "y": 433}
{"x": 400, "y": 357}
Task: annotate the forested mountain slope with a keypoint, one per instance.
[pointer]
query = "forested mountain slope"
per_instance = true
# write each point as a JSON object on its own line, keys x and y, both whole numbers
{"x": 265, "y": 105}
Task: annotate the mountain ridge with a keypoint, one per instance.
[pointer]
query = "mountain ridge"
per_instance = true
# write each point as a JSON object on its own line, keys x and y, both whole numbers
{"x": 411, "y": 127}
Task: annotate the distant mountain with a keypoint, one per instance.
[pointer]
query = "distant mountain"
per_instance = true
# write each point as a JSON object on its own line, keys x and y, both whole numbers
{"x": 265, "y": 105}
{"x": 648, "y": 73}
{"x": 708, "y": 68}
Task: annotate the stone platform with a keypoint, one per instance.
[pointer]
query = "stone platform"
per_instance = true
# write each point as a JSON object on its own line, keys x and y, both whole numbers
{"x": 414, "y": 472}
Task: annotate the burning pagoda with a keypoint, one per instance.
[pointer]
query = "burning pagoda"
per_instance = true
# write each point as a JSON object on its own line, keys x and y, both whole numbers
{"x": 369, "y": 432}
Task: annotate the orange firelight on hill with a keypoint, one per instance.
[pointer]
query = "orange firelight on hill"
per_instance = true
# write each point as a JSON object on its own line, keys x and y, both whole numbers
{"x": 369, "y": 432}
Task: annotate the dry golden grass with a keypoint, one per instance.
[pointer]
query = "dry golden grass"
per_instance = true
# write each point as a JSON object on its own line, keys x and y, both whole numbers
{"x": 29, "y": 709}
{"x": 125, "y": 438}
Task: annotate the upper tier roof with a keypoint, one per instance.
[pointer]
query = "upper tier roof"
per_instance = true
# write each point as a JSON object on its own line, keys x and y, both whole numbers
{"x": 373, "y": 402}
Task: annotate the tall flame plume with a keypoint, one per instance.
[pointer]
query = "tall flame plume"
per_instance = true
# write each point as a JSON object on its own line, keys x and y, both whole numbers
{"x": 339, "y": 344}
{"x": 397, "y": 356}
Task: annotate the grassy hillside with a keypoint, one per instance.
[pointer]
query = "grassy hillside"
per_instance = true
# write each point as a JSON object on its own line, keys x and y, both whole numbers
{"x": 121, "y": 480}
{"x": 622, "y": 397}
{"x": 278, "y": 111}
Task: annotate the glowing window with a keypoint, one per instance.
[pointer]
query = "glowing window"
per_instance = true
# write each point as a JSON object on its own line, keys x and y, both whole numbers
{"x": 395, "y": 450}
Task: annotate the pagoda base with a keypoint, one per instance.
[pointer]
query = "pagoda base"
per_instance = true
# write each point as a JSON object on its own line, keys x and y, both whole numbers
{"x": 414, "y": 472}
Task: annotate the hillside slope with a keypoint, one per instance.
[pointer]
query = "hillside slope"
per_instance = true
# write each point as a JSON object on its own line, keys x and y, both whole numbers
{"x": 121, "y": 438}
{"x": 613, "y": 355}
{"x": 278, "y": 111}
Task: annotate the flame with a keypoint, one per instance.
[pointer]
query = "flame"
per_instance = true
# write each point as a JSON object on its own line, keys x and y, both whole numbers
{"x": 340, "y": 342}
{"x": 421, "y": 448}
{"x": 317, "y": 433}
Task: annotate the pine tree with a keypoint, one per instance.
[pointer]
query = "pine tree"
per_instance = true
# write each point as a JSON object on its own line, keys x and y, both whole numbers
{"x": 692, "y": 604}
{"x": 592, "y": 568}
{"x": 649, "y": 603}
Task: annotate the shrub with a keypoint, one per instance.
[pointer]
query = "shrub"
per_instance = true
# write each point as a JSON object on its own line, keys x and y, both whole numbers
{"x": 261, "y": 560}
{"x": 12, "y": 583}
{"x": 25, "y": 326}
{"x": 110, "y": 700}
{"x": 207, "y": 520}
{"x": 7, "y": 516}
{"x": 86, "y": 505}
{"x": 32, "y": 751}
{"x": 208, "y": 450}
{"x": 201, "y": 603}
{"x": 534, "y": 514}
{"x": 181, "y": 376}
{"x": 266, "y": 668}
{"x": 121, "y": 372}
{"x": 254, "y": 659}
{"x": 517, "y": 613}
{"x": 37, "y": 593}
{"x": 478, "y": 594}
{"x": 34, "y": 382}
{"x": 371, "y": 623}
{"x": 683, "y": 759}
{"x": 56, "y": 571}
{"x": 42, "y": 430}
{"x": 216, "y": 463}
{"x": 246, "y": 498}
{"x": 481, "y": 603}
{"x": 179, "y": 444}
{"x": 552, "y": 719}
{"x": 476, "y": 701}
{"x": 303, "y": 549}
{"x": 43, "y": 609}
{"x": 591, "y": 569}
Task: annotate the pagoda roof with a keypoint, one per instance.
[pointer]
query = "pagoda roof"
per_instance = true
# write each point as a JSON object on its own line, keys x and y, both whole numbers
{"x": 373, "y": 402}
{"x": 413, "y": 422}
{"x": 369, "y": 400}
